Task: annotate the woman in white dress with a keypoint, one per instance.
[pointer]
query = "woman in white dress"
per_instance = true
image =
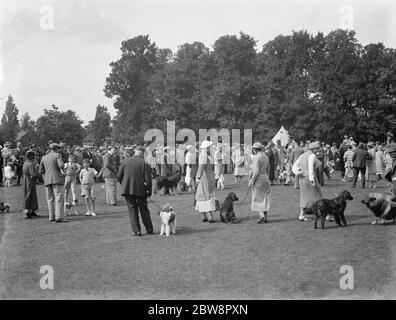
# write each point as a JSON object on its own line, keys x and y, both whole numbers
{"x": 206, "y": 184}
{"x": 259, "y": 180}
{"x": 380, "y": 162}
{"x": 239, "y": 161}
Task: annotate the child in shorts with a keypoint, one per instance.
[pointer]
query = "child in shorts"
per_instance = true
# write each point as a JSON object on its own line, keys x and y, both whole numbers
{"x": 87, "y": 178}
{"x": 71, "y": 169}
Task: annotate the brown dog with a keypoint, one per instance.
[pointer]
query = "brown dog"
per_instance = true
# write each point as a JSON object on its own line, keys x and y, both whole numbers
{"x": 227, "y": 213}
{"x": 383, "y": 206}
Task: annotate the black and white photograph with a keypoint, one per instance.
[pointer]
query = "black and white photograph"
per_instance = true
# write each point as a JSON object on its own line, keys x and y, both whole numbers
{"x": 214, "y": 152}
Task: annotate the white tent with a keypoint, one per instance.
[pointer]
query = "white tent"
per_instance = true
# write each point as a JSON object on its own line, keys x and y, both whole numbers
{"x": 282, "y": 135}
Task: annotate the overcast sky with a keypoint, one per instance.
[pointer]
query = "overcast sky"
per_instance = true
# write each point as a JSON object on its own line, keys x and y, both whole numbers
{"x": 67, "y": 65}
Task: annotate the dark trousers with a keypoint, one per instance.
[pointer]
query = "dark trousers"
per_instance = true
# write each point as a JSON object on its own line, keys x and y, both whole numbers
{"x": 362, "y": 174}
{"x": 320, "y": 175}
{"x": 136, "y": 204}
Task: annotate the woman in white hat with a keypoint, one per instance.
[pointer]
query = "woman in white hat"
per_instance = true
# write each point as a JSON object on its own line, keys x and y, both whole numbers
{"x": 304, "y": 168}
{"x": 206, "y": 184}
{"x": 260, "y": 181}
{"x": 238, "y": 158}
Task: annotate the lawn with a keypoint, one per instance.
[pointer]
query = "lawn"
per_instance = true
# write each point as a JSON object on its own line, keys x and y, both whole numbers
{"x": 98, "y": 258}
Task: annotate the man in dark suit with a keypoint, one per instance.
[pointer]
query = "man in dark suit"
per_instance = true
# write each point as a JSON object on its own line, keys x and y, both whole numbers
{"x": 134, "y": 176}
{"x": 19, "y": 155}
{"x": 109, "y": 175}
{"x": 359, "y": 164}
{"x": 50, "y": 166}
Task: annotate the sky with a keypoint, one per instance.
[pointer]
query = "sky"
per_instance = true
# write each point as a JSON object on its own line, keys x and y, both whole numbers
{"x": 59, "y": 51}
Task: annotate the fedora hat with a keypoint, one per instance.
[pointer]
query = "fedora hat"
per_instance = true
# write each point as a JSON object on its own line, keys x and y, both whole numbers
{"x": 206, "y": 143}
{"x": 370, "y": 145}
{"x": 54, "y": 146}
{"x": 314, "y": 145}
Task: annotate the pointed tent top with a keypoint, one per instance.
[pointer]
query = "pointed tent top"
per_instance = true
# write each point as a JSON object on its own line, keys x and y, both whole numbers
{"x": 282, "y": 135}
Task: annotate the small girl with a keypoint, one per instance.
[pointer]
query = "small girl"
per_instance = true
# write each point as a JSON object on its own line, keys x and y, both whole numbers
{"x": 87, "y": 178}
{"x": 9, "y": 174}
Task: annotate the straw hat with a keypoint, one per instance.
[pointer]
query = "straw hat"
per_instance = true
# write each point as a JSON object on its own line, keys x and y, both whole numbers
{"x": 258, "y": 145}
{"x": 314, "y": 145}
{"x": 206, "y": 143}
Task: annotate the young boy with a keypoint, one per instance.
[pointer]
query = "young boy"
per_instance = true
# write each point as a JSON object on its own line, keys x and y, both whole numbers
{"x": 71, "y": 169}
{"x": 87, "y": 178}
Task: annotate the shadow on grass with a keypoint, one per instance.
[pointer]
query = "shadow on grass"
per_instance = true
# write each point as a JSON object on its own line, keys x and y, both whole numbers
{"x": 188, "y": 230}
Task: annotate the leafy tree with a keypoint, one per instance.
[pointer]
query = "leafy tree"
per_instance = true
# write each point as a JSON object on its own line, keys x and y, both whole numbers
{"x": 26, "y": 123}
{"x": 59, "y": 126}
{"x": 9, "y": 121}
{"x": 128, "y": 83}
{"x": 100, "y": 126}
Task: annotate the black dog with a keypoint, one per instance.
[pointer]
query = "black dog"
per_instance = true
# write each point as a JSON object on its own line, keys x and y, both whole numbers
{"x": 167, "y": 184}
{"x": 227, "y": 213}
{"x": 334, "y": 207}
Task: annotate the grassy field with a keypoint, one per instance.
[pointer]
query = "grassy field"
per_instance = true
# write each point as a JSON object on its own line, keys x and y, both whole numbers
{"x": 98, "y": 258}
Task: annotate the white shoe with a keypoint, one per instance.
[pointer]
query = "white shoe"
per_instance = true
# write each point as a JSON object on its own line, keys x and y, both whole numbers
{"x": 88, "y": 213}
{"x": 93, "y": 214}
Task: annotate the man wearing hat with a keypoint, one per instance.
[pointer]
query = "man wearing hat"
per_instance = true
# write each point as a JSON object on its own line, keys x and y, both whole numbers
{"x": 391, "y": 173}
{"x": 359, "y": 164}
{"x": 109, "y": 175}
{"x": 304, "y": 169}
{"x": 134, "y": 176}
{"x": 54, "y": 180}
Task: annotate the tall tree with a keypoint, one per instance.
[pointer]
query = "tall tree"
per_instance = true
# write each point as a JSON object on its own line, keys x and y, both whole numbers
{"x": 9, "y": 121}
{"x": 59, "y": 126}
{"x": 100, "y": 127}
{"x": 128, "y": 83}
{"x": 26, "y": 123}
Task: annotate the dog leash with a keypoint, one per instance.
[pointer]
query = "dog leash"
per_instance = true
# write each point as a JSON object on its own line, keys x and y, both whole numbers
{"x": 152, "y": 202}
{"x": 247, "y": 193}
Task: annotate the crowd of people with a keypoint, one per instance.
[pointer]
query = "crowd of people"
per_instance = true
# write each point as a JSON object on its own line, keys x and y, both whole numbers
{"x": 304, "y": 165}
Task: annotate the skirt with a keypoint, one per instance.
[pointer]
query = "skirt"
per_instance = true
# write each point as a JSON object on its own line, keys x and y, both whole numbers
{"x": 260, "y": 195}
{"x": 206, "y": 205}
{"x": 308, "y": 193}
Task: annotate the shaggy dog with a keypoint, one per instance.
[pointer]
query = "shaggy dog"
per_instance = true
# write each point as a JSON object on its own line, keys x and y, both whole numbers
{"x": 227, "y": 213}
{"x": 168, "y": 220}
{"x": 4, "y": 207}
{"x": 334, "y": 207}
{"x": 382, "y": 205}
{"x": 71, "y": 208}
{"x": 168, "y": 185}
{"x": 220, "y": 183}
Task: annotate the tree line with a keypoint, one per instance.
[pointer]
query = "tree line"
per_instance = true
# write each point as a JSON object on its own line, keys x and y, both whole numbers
{"x": 317, "y": 86}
